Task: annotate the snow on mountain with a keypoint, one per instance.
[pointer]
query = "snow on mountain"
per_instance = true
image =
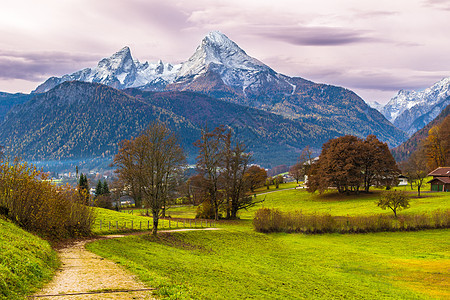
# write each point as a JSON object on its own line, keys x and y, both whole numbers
{"x": 216, "y": 48}
{"x": 234, "y": 72}
{"x": 375, "y": 104}
{"x": 411, "y": 110}
{"x": 217, "y": 57}
{"x": 119, "y": 71}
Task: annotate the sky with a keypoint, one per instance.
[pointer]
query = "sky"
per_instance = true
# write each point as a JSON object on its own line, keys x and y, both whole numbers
{"x": 373, "y": 47}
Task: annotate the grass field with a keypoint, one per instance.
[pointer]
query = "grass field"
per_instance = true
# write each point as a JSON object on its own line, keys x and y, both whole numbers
{"x": 236, "y": 262}
{"x": 26, "y": 262}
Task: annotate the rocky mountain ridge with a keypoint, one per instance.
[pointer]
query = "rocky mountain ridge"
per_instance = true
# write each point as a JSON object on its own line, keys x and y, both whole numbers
{"x": 412, "y": 110}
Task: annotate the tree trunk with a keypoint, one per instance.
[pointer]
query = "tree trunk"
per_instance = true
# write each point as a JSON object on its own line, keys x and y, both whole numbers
{"x": 229, "y": 208}
{"x": 418, "y": 190}
{"x": 216, "y": 211}
{"x": 155, "y": 223}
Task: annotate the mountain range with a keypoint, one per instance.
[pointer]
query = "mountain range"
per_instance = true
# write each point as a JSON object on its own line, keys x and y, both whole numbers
{"x": 78, "y": 120}
{"x": 412, "y": 110}
{"x": 85, "y": 114}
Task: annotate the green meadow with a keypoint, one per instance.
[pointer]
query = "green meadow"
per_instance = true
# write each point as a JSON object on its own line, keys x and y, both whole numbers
{"x": 236, "y": 262}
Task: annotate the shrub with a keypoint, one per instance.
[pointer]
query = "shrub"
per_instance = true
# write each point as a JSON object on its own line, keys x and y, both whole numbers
{"x": 205, "y": 211}
{"x": 36, "y": 204}
{"x": 272, "y": 220}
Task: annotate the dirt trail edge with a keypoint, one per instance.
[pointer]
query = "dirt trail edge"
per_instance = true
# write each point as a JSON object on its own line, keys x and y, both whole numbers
{"x": 85, "y": 275}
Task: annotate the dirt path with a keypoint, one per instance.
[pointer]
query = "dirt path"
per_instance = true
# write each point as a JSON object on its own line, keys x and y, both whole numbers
{"x": 85, "y": 275}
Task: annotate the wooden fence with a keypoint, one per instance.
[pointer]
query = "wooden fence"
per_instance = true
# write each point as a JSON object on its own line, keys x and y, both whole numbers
{"x": 148, "y": 225}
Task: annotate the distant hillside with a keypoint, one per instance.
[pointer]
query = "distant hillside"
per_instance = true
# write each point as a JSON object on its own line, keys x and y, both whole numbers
{"x": 78, "y": 120}
{"x": 403, "y": 151}
{"x": 8, "y": 101}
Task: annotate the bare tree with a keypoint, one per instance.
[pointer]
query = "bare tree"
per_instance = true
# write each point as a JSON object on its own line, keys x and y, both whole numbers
{"x": 415, "y": 168}
{"x": 149, "y": 163}
{"x": 209, "y": 164}
{"x": 301, "y": 168}
{"x": 235, "y": 166}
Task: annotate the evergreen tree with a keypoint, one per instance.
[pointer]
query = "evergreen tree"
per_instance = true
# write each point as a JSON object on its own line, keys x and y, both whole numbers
{"x": 83, "y": 187}
{"x": 105, "y": 189}
{"x": 99, "y": 189}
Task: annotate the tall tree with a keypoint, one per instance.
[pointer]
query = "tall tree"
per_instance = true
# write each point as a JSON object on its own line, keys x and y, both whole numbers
{"x": 99, "y": 189}
{"x": 415, "y": 168}
{"x": 377, "y": 162}
{"x": 150, "y": 162}
{"x": 209, "y": 164}
{"x": 445, "y": 134}
{"x": 348, "y": 163}
{"x": 301, "y": 168}
{"x": 83, "y": 188}
{"x": 255, "y": 177}
{"x": 435, "y": 151}
{"x": 235, "y": 165}
{"x": 105, "y": 188}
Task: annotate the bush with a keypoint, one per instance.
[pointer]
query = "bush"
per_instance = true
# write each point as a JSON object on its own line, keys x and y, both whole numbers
{"x": 205, "y": 211}
{"x": 36, "y": 204}
{"x": 272, "y": 220}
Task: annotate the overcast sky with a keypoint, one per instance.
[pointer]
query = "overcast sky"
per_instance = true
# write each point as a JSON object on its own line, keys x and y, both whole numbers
{"x": 374, "y": 47}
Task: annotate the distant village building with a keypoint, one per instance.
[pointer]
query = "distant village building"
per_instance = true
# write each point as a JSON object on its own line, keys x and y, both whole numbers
{"x": 402, "y": 180}
{"x": 441, "y": 179}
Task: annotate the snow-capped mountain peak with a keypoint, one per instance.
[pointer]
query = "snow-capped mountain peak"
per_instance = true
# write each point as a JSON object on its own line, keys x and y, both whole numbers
{"x": 216, "y": 48}
{"x": 217, "y": 59}
{"x": 119, "y": 70}
{"x": 405, "y": 108}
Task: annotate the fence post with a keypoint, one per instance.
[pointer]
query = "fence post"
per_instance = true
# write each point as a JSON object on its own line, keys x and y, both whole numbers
{"x": 100, "y": 224}
{"x": 190, "y": 223}
{"x": 140, "y": 224}
{"x": 117, "y": 224}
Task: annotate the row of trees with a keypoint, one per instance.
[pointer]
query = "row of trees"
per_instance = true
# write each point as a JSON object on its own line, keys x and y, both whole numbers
{"x": 150, "y": 168}
{"x": 223, "y": 174}
{"x": 349, "y": 163}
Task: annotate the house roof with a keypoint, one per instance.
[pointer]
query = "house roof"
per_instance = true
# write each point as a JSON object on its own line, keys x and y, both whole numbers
{"x": 441, "y": 179}
{"x": 441, "y": 171}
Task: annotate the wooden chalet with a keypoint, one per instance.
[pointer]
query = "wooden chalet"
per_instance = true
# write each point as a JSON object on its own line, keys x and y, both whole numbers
{"x": 441, "y": 179}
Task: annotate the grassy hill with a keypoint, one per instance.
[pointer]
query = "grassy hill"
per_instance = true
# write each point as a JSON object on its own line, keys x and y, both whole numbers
{"x": 26, "y": 262}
